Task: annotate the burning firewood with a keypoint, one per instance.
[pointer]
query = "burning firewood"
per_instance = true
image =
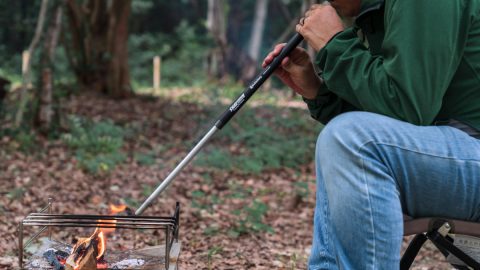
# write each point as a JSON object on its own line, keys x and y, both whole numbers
{"x": 84, "y": 255}
{"x": 88, "y": 251}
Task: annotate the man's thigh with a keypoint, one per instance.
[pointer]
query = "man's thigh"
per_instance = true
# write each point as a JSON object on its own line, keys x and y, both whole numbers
{"x": 436, "y": 168}
{"x": 441, "y": 177}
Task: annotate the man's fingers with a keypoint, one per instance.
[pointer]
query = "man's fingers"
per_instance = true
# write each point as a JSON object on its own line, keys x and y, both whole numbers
{"x": 278, "y": 48}
{"x": 313, "y": 8}
{"x": 276, "y": 51}
{"x": 299, "y": 29}
{"x": 269, "y": 58}
{"x": 308, "y": 13}
{"x": 286, "y": 63}
{"x": 301, "y": 21}
{"x": 289, "y": 65}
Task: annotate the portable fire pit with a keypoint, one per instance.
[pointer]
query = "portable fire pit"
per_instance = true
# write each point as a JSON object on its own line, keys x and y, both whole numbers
{"x": 90, "y": 253}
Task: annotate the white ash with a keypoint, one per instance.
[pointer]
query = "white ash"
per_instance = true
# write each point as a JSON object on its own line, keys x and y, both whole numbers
{"x": 125, "y": 264}
{"x": 128, "y": 263}
{"x": 39, "y": 264}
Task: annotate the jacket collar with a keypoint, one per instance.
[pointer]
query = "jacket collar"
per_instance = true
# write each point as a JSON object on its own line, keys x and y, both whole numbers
{"x": 368, "y": 3}
{"x": 368, "y": 6}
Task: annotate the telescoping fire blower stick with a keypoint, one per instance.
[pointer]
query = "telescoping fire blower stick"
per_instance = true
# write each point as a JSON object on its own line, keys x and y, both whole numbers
{"x": 224, "y": 118}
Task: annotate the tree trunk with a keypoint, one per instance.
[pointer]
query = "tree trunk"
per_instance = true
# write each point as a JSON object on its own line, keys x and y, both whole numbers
{"x": 26, "y": 79}
{"x": 118, "y": 84}
{"x": 256, "y": 40}
{"x": 45, "y": 112}
{"x": 216, "y": 24}
{"x": 97, "y": 45}
{"x": 257, "y": 29}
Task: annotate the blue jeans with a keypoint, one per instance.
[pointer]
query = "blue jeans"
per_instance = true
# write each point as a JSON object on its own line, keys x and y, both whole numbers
{"x": 370, "y": 170}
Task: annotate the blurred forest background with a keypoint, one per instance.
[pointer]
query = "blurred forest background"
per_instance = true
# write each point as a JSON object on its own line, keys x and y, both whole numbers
{"x": 83, "y": 119}
{"x": 197, "y": 40}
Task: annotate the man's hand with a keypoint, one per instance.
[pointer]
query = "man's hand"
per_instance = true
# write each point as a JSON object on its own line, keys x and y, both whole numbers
{"x": 319, "y": 25}
{"x": 296, "y": 71}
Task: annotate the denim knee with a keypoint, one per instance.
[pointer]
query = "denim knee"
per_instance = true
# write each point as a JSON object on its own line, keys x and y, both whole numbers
{"x": 346, "y": 131}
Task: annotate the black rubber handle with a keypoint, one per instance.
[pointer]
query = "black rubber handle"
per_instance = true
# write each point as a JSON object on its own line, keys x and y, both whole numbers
{"x": 259, "y": 80}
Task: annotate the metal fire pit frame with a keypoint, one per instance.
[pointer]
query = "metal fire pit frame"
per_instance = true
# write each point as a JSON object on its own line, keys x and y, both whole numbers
{"x": 46, "y": 220}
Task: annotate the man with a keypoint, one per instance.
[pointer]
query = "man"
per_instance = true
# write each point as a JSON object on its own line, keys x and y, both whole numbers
{"x": 403, "y": 89}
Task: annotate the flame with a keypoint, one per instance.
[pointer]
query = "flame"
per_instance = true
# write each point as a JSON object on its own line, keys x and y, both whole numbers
{"x": 100, "y": 234}
{"x": 109, "y": 226}
{"x": 114, "y": 209}
{"x": 102, "y": 244}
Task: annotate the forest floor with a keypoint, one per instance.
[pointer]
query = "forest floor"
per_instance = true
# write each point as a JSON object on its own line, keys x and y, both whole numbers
{"x": 243, "y": 205}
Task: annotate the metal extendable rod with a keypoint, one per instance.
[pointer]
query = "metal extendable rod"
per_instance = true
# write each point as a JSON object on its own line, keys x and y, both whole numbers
{"x": 224, "y": 118}
{"x": 176, "y": 171}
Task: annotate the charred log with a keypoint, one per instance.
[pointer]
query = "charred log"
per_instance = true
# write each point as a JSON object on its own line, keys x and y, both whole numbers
{"x": 52, "y": 259}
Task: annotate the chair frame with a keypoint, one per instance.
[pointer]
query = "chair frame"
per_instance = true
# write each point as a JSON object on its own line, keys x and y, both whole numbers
{"x": 437, "y": 230}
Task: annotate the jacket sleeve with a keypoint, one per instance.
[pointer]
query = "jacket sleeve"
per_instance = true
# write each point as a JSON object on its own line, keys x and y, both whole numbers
{"x": 327, "y": 105}
{"x": 422, "y": 48}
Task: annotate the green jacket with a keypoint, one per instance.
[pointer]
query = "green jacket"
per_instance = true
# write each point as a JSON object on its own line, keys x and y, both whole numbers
{"x": 421, "y": 64}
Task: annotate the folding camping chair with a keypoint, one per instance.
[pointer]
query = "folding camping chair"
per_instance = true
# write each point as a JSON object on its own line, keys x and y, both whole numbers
{"x": 457, "y": 240}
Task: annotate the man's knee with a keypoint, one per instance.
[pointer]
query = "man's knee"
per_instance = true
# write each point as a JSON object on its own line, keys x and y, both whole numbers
{"x": 348, "y": 132}
{"x": 342, "y": 130}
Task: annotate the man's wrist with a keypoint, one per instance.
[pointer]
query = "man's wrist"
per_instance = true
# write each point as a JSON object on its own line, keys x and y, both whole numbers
{"x": 311, "y": 96}
{"x": 313, "y": 91}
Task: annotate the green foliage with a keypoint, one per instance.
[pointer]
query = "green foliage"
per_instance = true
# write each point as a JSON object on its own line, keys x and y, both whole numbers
{"x": 183, "y": 54}
{"x": 10, "y": 67}
{"x": 17, "y": 21}
{"x": 132, "y": 202}
{"x": 147, "y": 190}
{"x": 272, "y": 142}
{"x": 145, "y": 159}
{"x": 211, "y": 231}
{"x": 251, "y": 219}
{"x": 214, "y": 250}
{"x": 27, "y": 140}
{"x": 211, "y": 252}
{"x": 141, "y": 7}
{"x": 97, "y": 145}
{"x": 174, "y": 30}
{"x": 237, "y": 191}
{"x": 218, "y": 158}
{"x": 302, "y": 189}
{"x": 202, "y": 201}
{"x": 16, "y": 193}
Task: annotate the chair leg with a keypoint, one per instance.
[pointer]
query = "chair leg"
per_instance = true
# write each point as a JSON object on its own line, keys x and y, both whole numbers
{"x": 438, "y": 239}
{"x": 443, "y": 250}
{"x": 412, "y": 251}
